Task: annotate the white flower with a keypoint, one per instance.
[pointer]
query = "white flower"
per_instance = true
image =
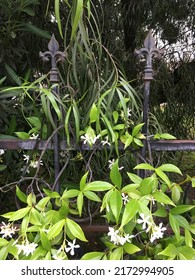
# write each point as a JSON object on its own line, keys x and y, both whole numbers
{"x": 145, "y": 221}
{"x": 26, "y": 158}
{"x": 125, "y": 198}
{"x": 118, "y": 239}
{"x": 111, "y": 162}
{"x": 26, "y": 247}
{"x": 25, "y": 169}
{"x": 7, "y": 230}
{"x": 35, "y": 163}
{"x": 105, "y": 142}
{"x": 89, "y": 139}
{"x": 33, "y": 136}
{"x": 1, "y": 152}
{"x": 157, "y": 232}
{"x": 71, "y": 247}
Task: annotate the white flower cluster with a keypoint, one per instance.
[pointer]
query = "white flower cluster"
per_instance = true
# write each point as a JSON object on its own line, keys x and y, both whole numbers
{"x": 26, "y": 248}
{"x": 89, "y": 139}
{"x": 117, "y": 238}
{"x": 149, "y": 225}
{"x": 7, "y": 230}
{"x": 32, "y": 163}
{"x": 1, "y": 152}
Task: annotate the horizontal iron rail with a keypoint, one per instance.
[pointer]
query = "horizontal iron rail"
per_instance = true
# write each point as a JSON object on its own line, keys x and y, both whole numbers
{"x": 157, "y": 145}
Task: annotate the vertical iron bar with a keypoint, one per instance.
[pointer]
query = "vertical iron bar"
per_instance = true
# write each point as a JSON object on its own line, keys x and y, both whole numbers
{"x": 148, "y": 52}
{"x": 54, "y": 55}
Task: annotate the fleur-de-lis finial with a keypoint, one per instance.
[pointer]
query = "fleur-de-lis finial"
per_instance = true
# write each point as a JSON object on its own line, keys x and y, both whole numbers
{"x": 149, "y": 52}
{"x": 55, "y": 56}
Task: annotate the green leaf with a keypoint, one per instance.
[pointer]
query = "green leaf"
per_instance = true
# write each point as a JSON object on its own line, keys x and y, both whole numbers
{"x": 165, "y": 136}
{"x": 117, "y": 254}
{"x": 162, "y": 198}
{"x": 22, "y": 196}
{"x": 182, "y": 222}
{"x": 163, "y": 176}
{"x": 70, "y": 193}
{"x": 35, "y": 217}
{"x": 57, "y": 15}
{"x": 134, "y": 178}
{"x": 161, "y": 212}
{"x": 136, "y": 129}
{"x": 147, "y": 185}
{"x": 77, "y": 14}
{"x": 98, "y": 186}
{"x": 131, "y": 248}
{"x": 93, "y": 256}
{"x": 56, "y": 229}
{"x": 169, "y": 251}
{"x": 19, "y": 214}
{"x": 115, "y": 175}
{"x": 131, "y": 208}
{"x": 22, "y": 135}
{"x": 45, "y": 240}
{"x": 186, "y": 253}
{"x": 174, "y": 225}
{"x": 3, "y": 242}
{"x": 181, "y": 209}
{"x": 188, "y": 238}
{"x": 128, "y": 141}
{"x": 115, "y": 116}
{"x": 170, "y": 168}
{"x": 176, "y": 193}
{"x": 83, "y": 181}
{"x": 51, "y": 194}
{"x": 13, "y": 75}
{"x": 116, "y": 204}
{"x": 92, "y": 196}
{"x": 2, "y": 167}
{"x": 80, "y": 203}
{"x": 75, "y": 230}
{"x": 93, "y": 113}
{"x": 144, "y": 166}
{"x": 36, "y": 30}
{"x": 42, "y": 203}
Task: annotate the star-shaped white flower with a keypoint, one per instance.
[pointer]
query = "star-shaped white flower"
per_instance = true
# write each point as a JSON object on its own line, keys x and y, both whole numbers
{"x": 125, "y": 198}
{"x": 71, "y": 247}
{"x": 146, "y": 221}
{"x": 7, "y": 230}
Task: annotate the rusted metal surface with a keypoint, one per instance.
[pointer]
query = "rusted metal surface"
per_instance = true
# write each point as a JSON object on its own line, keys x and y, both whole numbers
{"x": 157, "y": 145}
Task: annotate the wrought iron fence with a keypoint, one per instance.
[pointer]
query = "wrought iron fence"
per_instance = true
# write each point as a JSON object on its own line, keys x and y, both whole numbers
{"x": 149, "y": 52}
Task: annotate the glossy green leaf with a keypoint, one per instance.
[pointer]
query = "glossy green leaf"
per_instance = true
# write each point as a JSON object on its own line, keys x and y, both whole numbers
{"x": 116, "y": 204}
{"x": 83, "y": 181}
{"x": 22, "y": 196}
{"x": 80, "y": 203}
{"x": 131, "y": 248}
{"x": 134, "y": 178}
{"x": 131, "y": 208}
{"x": 93, "y": 113}
{"x": 176, "y": 193}
{"x": 75, "y": 229}
{"x": 169, "y": 251}
{"x": 19, "y": 214}
{"x": 174, "y": 225}
{"x": 115, "y": 175}
{"x": 55, "y": 229}
{"x": 117, "y": 254}
{"x": 162, "y": 198}
{"x": 92, "y": 196}
{"x": 163, "y": 176}
{"x": 57, "y": 16}
{"x": 147, "y": 185}
{"x": 188, "y": 238}
{"x": 45, "y": 240}
{"x": 70, "y": 193}
{"x": 98, "y": 186}
{"x": 93, "y": 256}
{"x": 186, "y": 253}
{"x": 136, "y": 129}
{"x": 170, "y": 168}
{"x": 144, "y": 166}
{"x": 181, "y": 209}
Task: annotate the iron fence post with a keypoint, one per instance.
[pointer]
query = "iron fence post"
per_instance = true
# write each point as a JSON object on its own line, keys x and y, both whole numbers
{"x": 148, "y": 52}
{"x": 55, "y": 56}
